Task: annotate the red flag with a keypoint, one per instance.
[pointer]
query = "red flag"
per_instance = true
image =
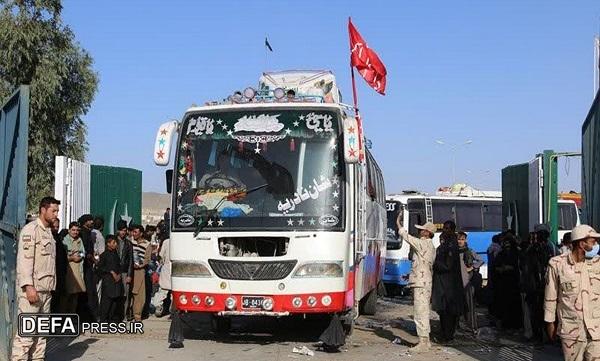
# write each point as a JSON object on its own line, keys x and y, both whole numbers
{"x": 366, "y": 61}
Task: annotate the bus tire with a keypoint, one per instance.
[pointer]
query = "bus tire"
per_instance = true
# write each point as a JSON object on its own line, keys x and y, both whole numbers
{"x": 221, "y": 324}
{"x": 369, "y": 304}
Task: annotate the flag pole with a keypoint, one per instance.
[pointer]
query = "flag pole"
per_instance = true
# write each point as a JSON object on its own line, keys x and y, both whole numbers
{"x": 355, "y": 98}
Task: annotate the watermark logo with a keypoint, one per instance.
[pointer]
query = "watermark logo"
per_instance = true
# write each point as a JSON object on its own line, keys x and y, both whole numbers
{"x": 69, "y": 325}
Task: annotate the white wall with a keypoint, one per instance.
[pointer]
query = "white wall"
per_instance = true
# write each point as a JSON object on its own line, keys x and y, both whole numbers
{"x": 72, "y": 188}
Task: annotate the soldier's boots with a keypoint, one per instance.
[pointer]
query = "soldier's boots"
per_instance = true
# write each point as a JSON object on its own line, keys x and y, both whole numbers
{"x": 423, "y": 346}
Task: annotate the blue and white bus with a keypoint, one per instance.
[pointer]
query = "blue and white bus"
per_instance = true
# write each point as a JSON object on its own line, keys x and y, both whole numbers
{"x": 479, "y": 217}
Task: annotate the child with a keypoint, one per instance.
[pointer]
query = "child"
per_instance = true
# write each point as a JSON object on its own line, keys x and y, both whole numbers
{"x": 109, "y": 269}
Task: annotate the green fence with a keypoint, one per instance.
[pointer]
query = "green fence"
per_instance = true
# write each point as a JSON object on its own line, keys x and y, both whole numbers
{"x": 115, "y": 194}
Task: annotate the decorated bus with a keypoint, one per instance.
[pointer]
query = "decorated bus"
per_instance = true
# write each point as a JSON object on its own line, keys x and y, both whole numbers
{"x": 278, "y": 209}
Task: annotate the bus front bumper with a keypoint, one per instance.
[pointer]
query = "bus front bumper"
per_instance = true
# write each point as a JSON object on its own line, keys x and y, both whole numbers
{"x": 259, "y": 305}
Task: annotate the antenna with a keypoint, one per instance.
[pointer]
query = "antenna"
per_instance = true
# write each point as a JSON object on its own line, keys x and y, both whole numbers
{"x": 596, "y": 64}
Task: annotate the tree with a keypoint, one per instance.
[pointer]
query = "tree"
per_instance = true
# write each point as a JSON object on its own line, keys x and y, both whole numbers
{"x": 36, "y": 48}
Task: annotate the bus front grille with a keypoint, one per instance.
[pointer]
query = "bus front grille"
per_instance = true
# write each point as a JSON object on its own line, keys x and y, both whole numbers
{"x": 256, "y": 271}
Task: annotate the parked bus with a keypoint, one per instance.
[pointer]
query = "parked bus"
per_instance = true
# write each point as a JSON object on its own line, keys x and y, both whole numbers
{"x": 275, "y": 212}
{"x": 479, "y": 217}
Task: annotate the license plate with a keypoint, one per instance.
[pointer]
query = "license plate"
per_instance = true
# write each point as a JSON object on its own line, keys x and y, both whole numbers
{"x": 252, "y": 302}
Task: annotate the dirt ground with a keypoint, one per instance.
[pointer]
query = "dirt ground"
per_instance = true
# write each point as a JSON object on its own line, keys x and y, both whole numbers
{"x": 386, "y": 336}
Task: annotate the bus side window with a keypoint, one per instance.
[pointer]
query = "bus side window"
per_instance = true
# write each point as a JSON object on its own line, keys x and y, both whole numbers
{"x": 492, "y": 217}
{"x": 443, "y": 211}
{"x": 567, "y": 216}
{"x": 469, "y": 216}
{"x": 414, "y": 218}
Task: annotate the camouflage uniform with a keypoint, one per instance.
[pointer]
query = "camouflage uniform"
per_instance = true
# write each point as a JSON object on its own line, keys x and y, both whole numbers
{"x": 420, "y": 279}
{"x": 35, "y": 267}
{"x": 573, "y": 289}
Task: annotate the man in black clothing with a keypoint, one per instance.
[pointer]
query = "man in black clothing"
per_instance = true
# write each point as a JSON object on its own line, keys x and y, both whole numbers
{"x": 125, "y": 252}
{"x": 86, "y": 223}
{"x": 61, "y": 266}
{"x": 109, "y": 269}
{"x": 447, "y": 294}
{"x": 538, "y": 255}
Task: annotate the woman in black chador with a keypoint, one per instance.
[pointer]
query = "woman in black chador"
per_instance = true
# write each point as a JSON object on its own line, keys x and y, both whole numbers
{"x": 447, "y": 294}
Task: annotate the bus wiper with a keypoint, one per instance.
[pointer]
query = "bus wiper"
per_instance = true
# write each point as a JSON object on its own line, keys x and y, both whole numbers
{"x": 212, "y": 211}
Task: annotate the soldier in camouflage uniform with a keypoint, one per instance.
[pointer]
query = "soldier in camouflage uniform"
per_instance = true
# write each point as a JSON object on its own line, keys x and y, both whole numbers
{"x": 420, "y": 277}
{"x": 36, "y": 276}
{"x": 573, "y": 291}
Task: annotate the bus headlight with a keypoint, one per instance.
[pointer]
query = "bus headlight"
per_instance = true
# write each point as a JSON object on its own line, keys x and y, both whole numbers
{"x": 321, "y": 269}
{"x": 189, "y": 269}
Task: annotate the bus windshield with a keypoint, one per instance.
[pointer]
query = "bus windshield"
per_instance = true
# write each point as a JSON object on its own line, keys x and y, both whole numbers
{"x": 260, "y": 169}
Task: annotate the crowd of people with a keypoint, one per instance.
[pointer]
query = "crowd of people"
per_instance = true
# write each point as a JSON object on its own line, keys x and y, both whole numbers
{"x": 517, "y": 279}
{"x": 107, "y": 277}
{"x": 532, "y": 285}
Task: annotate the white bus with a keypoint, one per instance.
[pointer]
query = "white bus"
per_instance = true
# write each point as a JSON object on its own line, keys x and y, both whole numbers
{"x": 479, "y": 217}
{"x": 274, "y": 211}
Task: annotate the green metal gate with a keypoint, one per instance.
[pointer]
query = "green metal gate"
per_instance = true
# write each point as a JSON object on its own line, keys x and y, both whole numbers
{"x": 14, "y": 132}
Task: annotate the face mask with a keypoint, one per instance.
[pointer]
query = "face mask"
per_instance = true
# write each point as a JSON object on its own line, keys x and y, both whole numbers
{"x": 593, "y": 252}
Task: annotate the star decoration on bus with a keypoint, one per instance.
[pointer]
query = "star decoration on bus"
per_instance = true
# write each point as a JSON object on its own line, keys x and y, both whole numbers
{"x": 220, "y": 222}
{"x": 224, "y": 126}
{"x": 179, "y": 193}
{"x": 334, "y": 164}
{"x": 230, "y": 133}
{"x": 351, "y": 130}
{"x": 219, "y": 121}
{"x": 161, "y": 142}
{"x": 184, "y": 145}
{"x": 296, "y": 123}
{"x": 290, "y": 222}
{"x": 301, "y": 222}
{"x": 351, "y": 140}
{"x": 288, "y": 131}
{"x": 160, "y": 154}
{"x": 312, "y": 221}
{"x": 163, "y": 132}
{"x": 352, "y": 152}
{"x": 336, "y": 207}
{"x": 257, "y": 149}
{"x": 210, "y": 222}
{"x": 180, "y": 208}
{"x": 301, "y": 117}
{"x": 335, "y": 194}
{"x": 333, "y": 146}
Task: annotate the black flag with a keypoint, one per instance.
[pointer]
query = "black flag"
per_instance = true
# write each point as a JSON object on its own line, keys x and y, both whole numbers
{"x": 268, "y": 45}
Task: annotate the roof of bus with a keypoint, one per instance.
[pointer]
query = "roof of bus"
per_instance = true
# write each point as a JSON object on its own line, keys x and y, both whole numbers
{"x": 406, "y": 197}
{"x": 257, "y": 105}
{"x": 403, "y": 198}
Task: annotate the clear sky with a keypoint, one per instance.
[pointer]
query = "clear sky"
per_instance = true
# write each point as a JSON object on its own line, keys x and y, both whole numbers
{"x": 513, "y": 76}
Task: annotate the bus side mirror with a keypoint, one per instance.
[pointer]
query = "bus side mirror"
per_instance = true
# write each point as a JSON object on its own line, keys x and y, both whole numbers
{"x": 162, "y": 145}
{"x": 352, "y": 146}
{"x": 169, "y": 179}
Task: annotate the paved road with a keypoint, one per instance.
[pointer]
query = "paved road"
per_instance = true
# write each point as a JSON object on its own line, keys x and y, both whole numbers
{"x": 383, "y": 337}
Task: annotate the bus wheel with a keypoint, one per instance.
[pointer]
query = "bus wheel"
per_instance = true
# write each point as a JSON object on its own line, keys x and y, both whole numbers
{"x": 391, "y": 290}
{"x": 369, "y": 303}
{"x": 221, "y": 324}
